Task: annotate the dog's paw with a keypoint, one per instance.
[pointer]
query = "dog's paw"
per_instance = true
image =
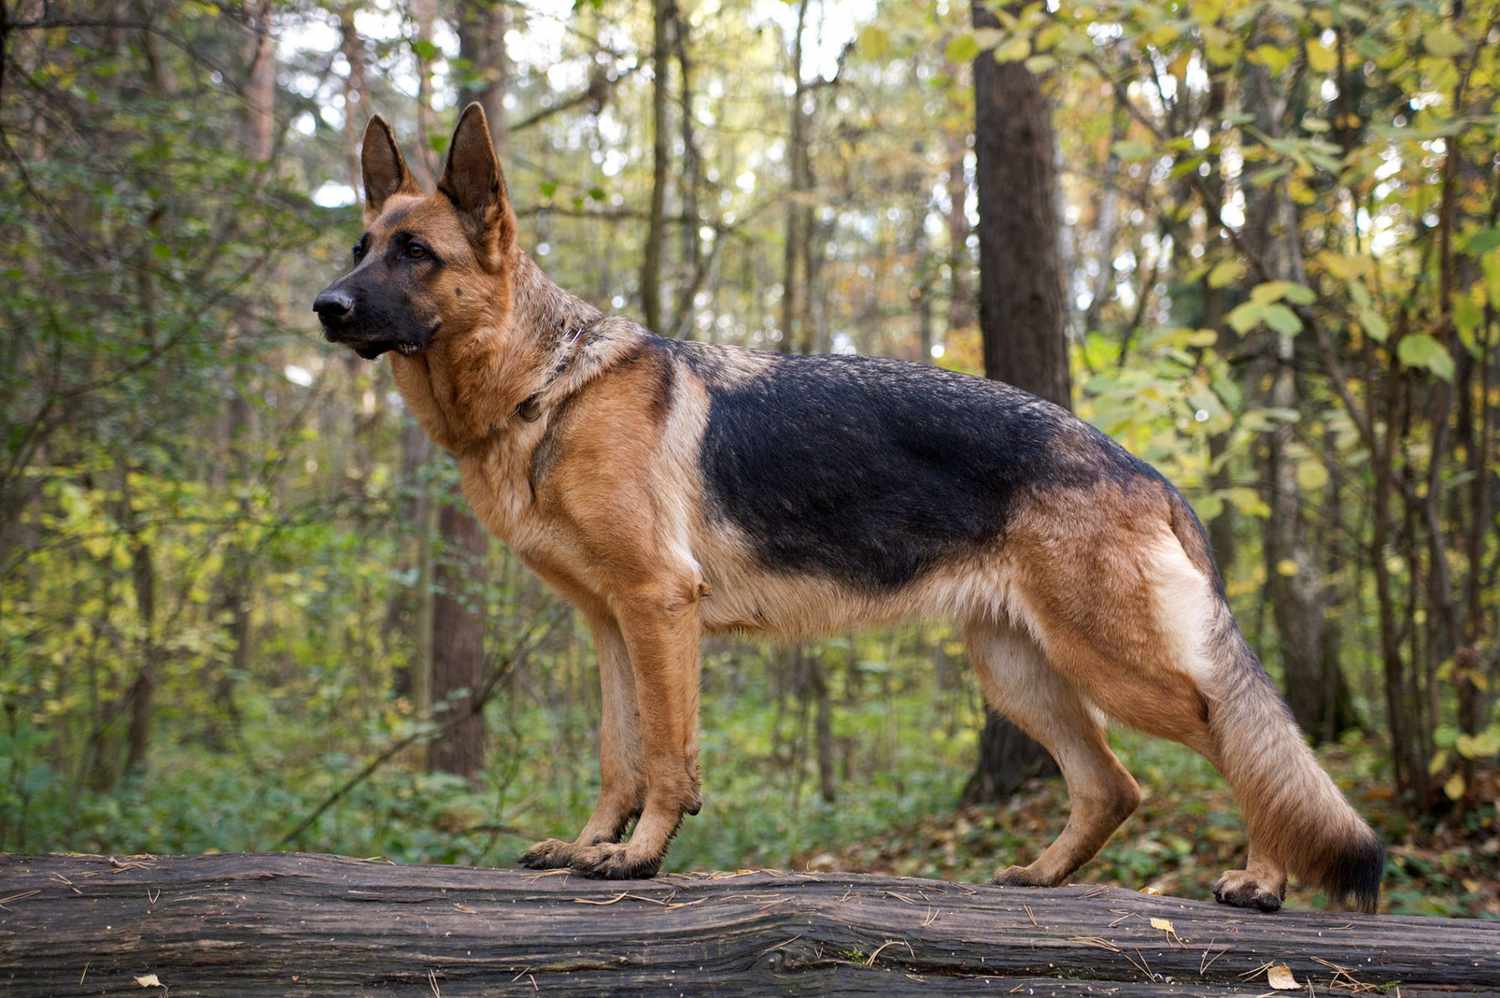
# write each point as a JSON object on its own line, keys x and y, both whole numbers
{"x": 1020, "y": 876}
{"x": 1241, "y": 889}
{"x": 549, "y": 854}
{"x": 615, "y": 861}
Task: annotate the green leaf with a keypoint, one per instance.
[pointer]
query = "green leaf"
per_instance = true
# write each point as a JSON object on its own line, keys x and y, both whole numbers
{"x": 1442, "y": 42}
{"x": 1226, "y": 273}
{"x": 1283, "y": 320}
{"x": 962, "y": 49}
{"x": 1482, "y": 242}
{"x": 1422, "y": 350}
{"x": 1272, "y": 291}
{"x": 1374, "y": 323}
{"x": 1131, "y": 149}
{"x": 425, "y": 50}
{"x": 1246, "y": 316}
{"x": 1013, "y": 51}
{"x": 1467, "y": 314}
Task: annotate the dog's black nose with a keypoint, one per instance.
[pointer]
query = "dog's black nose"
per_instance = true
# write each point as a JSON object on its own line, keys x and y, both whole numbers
{"x": 333, "y": 305}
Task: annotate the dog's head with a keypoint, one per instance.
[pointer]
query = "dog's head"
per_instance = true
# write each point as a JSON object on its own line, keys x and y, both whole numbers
{"x": 428, "y": 265}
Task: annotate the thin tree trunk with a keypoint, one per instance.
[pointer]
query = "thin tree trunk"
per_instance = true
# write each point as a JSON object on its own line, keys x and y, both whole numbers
{"x": 355, "y": 91}
{"x": 660, "y": 161}
{"x": 960, "y": 264}
{"x": 424, "y": 14}
{"x": 1021, "y": 315}
{"x": 458, "y": 643}
{"x": 1295, "y": 582}
{"x": 798, "y": 216}
{"x": 481, "y": 44}
{"x": 457, "y": 621}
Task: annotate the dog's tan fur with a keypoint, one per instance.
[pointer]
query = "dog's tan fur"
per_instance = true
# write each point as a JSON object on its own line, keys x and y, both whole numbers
{"x": 578, "y": 440}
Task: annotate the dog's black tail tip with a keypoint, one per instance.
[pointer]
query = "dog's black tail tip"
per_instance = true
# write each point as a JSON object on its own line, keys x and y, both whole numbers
{"x": 1356, "y": 871}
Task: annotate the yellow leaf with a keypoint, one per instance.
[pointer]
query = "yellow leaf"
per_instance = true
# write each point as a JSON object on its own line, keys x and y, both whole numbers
{"x": 1163, "y": 924}
{"x": 1322, "y": 58}
{"x": 1312, "y": 475}
{"x": 1455, "y": 787}
{"x": 1225, "y": 273}
{"x": 874, "y": 43}
{"x": 1013, "y": 51}
{"x": 1286, "y": 566}
{"x": 1279, "y": 976}
{"x": 149, "y": 981}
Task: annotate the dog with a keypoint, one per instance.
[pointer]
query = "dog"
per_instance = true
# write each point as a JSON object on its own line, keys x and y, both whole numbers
{"x": 669, "y": 489}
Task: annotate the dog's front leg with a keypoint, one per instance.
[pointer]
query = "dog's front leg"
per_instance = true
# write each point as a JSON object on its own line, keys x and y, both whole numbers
{"x": 661, "y": 630}
{"x": 622, "y": 791}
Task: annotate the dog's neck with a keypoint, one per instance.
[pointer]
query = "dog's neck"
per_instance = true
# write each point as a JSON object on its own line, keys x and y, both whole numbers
{"x": 535, "y": 345}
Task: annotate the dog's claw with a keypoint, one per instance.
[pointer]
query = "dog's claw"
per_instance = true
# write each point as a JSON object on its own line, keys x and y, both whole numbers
{"x": 549, "y": 854}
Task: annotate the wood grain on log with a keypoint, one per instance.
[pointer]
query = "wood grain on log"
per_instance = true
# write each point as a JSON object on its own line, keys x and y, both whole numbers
{"x": 310, "y": 924}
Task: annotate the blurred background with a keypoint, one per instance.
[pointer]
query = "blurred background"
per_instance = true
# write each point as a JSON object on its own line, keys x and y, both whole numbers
{"x": 240, "y": 608}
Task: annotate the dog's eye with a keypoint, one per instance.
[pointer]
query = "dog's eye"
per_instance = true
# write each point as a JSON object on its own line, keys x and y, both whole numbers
{"x": 360, "y": 247}
{"x": 416, "y": 251}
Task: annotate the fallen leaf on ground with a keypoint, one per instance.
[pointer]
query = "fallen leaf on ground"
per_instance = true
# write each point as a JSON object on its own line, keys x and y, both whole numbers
{"x": 1279, "y": 976}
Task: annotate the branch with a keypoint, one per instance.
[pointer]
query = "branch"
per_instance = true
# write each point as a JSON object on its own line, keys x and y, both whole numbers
{"x": 475, "y": 705}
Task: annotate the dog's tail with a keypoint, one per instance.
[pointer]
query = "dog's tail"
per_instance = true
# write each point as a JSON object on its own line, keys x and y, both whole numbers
{"x": 1293, "y": 809}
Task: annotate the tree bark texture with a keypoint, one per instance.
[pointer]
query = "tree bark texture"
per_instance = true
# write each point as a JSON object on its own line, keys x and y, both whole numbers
{"x": 1021, "y": 315}
{"x": 656, "y": 234}
{"x": 481, "y": 44}
{"x": 302, "y": 924}
{"x": 1315, "y": 686}
{"x": 458, "y": 640}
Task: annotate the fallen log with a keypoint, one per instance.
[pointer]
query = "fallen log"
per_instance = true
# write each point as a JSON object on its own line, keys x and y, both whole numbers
{"x": 313, "y": 924}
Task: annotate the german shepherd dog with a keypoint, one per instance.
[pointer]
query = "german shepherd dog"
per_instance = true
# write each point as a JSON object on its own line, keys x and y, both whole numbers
{"x": 669, "y": 488}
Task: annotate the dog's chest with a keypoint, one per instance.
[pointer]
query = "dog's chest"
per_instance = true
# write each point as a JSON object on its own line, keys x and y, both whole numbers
{"x": 499, "y": 492}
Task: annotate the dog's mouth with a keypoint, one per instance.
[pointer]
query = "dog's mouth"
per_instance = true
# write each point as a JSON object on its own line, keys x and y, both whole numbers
{"x": 369, "y": 351}
{"x": 373, "y": 348}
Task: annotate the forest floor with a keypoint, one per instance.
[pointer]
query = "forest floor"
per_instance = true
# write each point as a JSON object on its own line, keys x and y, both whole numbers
{"x": 1185, "y": 833}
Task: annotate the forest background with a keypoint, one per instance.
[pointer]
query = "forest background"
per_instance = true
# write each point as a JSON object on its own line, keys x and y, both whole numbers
{"x": 241, "y": 607}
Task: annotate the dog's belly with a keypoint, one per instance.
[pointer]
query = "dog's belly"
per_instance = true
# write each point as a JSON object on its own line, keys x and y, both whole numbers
{"x": 743, "y": 597}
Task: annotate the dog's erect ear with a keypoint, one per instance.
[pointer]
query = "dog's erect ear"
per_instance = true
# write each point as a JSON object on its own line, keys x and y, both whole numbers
{"x": 384, "y": 169}
{"x": 473, "y": 182}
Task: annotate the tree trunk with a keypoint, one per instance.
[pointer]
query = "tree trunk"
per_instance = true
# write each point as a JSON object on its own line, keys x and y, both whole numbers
{"x": 960, "y": 266}
{"x": 458, "y": 642}
{"x": 798, "y": 215}
{"x": 481, "y": 43}
{"x": 1295, "y": 583}
{"x": 457, "y": 620}
{"x": 235, "y": 924}
{"x": 354, "y": 94}
{"x": 1021, "y": 312}
{"x": 424, "y": 14}
{"x": 660, "y": 160}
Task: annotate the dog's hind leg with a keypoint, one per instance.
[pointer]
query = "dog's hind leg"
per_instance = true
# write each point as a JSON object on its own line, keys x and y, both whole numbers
{"x": 1018, "y": 682}
{"x": 622, "y": 789}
